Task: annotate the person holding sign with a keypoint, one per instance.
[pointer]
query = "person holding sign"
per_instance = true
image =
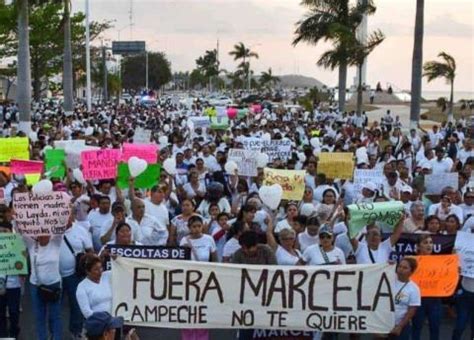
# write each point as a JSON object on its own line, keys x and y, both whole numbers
{"x": 430, "y": 306}
{"x": 373, "y": 250}
{"x": 286, "y": 253}
{"x": 407, "y": 299}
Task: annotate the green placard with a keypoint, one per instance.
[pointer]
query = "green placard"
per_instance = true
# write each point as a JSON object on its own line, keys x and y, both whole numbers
{"x": 149, "y": 178}
{"x": 219, "y": 123}
{"x": 54, "y": 158}
{"x": 385, "y": 214}
{"x": 12, "y": 255}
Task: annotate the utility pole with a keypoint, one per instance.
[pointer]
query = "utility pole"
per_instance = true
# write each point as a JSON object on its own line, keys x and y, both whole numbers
{"x": 88, "y": 61}
{"x": 146, "y": 70}
{"x": 104, "y": 66}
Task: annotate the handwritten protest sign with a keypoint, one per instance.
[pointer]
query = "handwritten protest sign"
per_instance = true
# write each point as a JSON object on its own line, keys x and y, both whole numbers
{"x": 32, "y": 179}
{"x": 12, "y": 255}
{"x": 73, "y": 143}
{"x": 437, "y": 275}
{"x": 141, "y": 136}
{"x": 246, "y": 161}
{"x": 363, "y": 176}
{"x": 406, "y": 245}
{"x": 148, "y": 152}
{"x": 464, "y": 246}
{"x": 435, "y": 183}
{"x": 14, "y": 148}
{"x": 149, "y": 178}
{"x": 100, "y": 164}
{"x": 148, "y": 252}
{"x": 73, "y": 154}
{"x": 336, "y": 164}
{"x": 54, "y": 159}
{"x": 200, "y": 122}
{"x": 342, "y": 298}
{"x": 41, "y": 214}
{"x": 219, "y": 123}
{"x": 385, "y": 214}
{"x": 292, "y": 182}
{"x": 22, "y": 167}
{"x": 275, "y": 148}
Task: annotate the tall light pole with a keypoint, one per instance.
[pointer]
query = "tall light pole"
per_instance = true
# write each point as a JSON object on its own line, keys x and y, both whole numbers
{"x": 88, "y": 61}
{"x": 146, "y": 70}
{"x": 250, "y": 73}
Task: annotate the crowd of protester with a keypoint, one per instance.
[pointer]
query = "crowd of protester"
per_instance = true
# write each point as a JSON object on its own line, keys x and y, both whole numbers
{"x": 221, "y": 217}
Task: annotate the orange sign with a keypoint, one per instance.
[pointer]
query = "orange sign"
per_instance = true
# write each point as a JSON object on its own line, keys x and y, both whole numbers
{"x": 437, "y": 275}
{"x": 5, "y": 169}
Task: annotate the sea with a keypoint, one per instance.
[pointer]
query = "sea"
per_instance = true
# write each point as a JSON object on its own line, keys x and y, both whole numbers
{"x": 458, "y": 95}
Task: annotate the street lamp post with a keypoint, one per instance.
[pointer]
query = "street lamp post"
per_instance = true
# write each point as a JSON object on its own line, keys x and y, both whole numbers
{"x": 88, "y": 61}
{"x": 146, "y": 70}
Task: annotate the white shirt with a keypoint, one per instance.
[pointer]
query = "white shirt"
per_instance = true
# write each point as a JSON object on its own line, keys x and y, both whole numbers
{"x": 407, "y": 294}
{"x": 284, "y": 258}
{"x": 149, "y": 231}
{"x": 80, "y": 240}
{"x": 158, "y": 211}
{"x": 223, "y": 204}
{"x": 313, "y": 256}
{"x": 305, "y": 240}
{"x": 190, "y": 192}
{"x": 44, "y": 260}
{"x": 453, "y": 209}
{"x": 381, "y": 255}
{"x": 230, "y": 247}
{"x": 99, "y": 221}
{"x": 201, "y": 247}
{"x": 283, "y": 224}
{"x": 440, "y": 167}
{"x": 95, "y": 297}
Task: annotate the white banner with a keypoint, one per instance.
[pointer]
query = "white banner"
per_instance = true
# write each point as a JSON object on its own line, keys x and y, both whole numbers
{"x": 464, "y": 246}
{"x": 362, "y": 176}
{"x": 435, "y": 183}
{"x": 246, "y": 161}
{"x": 200, "y": 122}
{"x": 187, "y": 294}
{"x": 141, "y": 136}
{"x": 275, "y": 149}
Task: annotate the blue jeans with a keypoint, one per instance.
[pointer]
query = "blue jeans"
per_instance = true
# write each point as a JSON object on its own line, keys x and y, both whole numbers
{"x": 464, "y": 311}
{"x": 75, "y": 316}
{"x": 41, "y": 310}
{"x": 430, "y": 308}
{"x": 10, "y": 300}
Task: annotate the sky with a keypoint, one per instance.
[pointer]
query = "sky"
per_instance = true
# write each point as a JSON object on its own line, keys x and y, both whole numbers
{"x": 184, "y": 29}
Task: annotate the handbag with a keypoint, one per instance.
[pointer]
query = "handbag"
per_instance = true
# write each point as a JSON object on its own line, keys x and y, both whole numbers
{"x": 48, "y": 293}
{"x": 79, "y": 270}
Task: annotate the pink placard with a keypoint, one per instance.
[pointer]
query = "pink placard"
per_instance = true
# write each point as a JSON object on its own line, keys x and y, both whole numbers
{"x": 148, "y": 152}
{"x": 21, "y": 167}
{"x": 100, "y": 164}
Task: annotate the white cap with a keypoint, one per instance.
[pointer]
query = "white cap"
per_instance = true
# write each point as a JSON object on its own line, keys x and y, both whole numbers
{"x": 370, "y": 186}
{"x": 426, "y": 165}
{"x": 407, "y": 188}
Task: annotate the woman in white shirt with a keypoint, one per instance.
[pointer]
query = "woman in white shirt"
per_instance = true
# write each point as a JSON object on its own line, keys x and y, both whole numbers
{"x": 285, "y": 252}
{"x": 291, "y": 210}
{"x": 309, "y": 236}
{"x": 94, "y": 293}
{"x": 179, "y": 224}
{"x": 203, "y": 249}
{"x": 194, "y": 188}
{"x": 407, "y": 299}
{"x": 325, "y": 252}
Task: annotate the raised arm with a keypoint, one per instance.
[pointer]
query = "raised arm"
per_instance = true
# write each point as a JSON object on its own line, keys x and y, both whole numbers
{"x": 270, "y": 236}
{"x": 397, "y": 232}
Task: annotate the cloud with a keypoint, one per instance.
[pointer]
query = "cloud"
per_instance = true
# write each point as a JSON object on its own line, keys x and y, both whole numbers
{"x": 447, "y": 26}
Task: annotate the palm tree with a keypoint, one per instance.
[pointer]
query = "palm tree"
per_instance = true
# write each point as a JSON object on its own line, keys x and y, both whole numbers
{"x": 417, "y": 65}
{"x": 208, "y": 65}
{"x": 447, "y": 70}
{"x": 336, "y": 21}
{"x": 242, "y": 52}
{"x": 360, "y": 52}
{"x": 68, "y": 105}
{"x": 268, "y": 79}
{"x": 23, "y": 67}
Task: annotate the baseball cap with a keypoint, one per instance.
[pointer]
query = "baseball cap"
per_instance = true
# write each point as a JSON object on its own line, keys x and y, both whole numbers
{"x": 100, "y": 322}
{"x": 407, "y": 188}
{"x": 370, "y": 186}
{"x": 325, "y": 229}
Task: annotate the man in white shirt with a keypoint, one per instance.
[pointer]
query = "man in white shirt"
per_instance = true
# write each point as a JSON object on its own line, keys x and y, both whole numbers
{"x": 447, "y": 197}
{"x": 98, "y": 218}
{"x": 466, "y": 151}
{"x": 374, "y": 250}
{"x": 440, "y": 164}
{"x": 145, "y": 228}
{"x": 435, "y": 136}
{"x": 156, "y": 206}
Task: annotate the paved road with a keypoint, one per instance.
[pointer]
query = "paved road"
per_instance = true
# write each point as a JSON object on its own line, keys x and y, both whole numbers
{"x": 27, "y": 325}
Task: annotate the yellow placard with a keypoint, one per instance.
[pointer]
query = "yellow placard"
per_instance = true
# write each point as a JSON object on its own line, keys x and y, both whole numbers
{"x": 32, "y": 179}
{"x": 292, "y": 182}
{"x": 336, "y": 165}
{"x": 14, "y": 148}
